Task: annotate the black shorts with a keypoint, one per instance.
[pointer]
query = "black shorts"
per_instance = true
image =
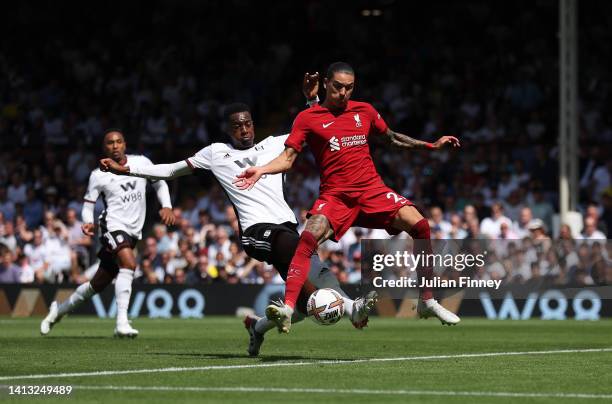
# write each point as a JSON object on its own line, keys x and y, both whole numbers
{"x": 272, "y": 243}
{"x": 112, "y": 243}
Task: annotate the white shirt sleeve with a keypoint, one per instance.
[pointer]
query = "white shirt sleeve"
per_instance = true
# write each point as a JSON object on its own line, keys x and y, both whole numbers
{"x": 87, "y": 213}
{"x": 92, "y": 194}
{"x": 202, "y": 159}
{"x": 277, "y": 142}
{"x": 163, "y": 193}
{"x": 93, "y": 188}
{"x": 161, "y": 171}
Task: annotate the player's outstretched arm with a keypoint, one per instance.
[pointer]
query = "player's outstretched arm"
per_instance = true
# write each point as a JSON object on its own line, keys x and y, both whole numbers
{"x": 407, "y": 142}
{"x": 251, "y": 175}
{"x": 152, "y": 172}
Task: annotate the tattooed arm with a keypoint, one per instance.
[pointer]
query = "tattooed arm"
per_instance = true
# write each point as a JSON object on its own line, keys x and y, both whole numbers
{"x": 406, "y": 142}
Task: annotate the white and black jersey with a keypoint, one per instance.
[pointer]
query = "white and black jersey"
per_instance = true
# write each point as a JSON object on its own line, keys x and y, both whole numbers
{"x": 124, "y": 198}
{"x": 265, "y": 203}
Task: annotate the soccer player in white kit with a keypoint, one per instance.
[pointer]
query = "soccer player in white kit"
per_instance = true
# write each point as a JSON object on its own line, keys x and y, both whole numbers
{"x": 267, "y": 223}
{"x": 120, "y": 227}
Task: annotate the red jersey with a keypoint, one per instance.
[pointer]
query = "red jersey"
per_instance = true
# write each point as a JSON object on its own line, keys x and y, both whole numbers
{"x": 339, "y": 143}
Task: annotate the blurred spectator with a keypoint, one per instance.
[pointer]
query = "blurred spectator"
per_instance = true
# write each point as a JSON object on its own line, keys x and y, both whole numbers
{"x": 57, "y": 254}
{"x": 593, "y": 211}
{"x": 33, "y": 209}
{"x": 541, "y": 209}
{"x": 9, "y": 272}
{"x": 152, "y": 258}
{"x": 565, "y": 233}
{"x": 79, "y": 243}
{"x": 36, "y": 253}
{"x": 491, "y": 226}
{"x": 7, "y": 236}
{"x": 602, "y": 179}
{"x": 520, "y": 226}
{"x": 16, "y": 191}
{"x": 164, "y": 243}
{"x": 219, "y": 250}
{"x": 437, "y": 221}
{"x": 590, "y": 232}
{"x": 537, "y": 229}
{"x": 7, "y": 207}
{"x": 200, "y": 274}
{"x": 506, "y": 232}
{"x": 457, "y": 231}
{"x": 354, "y": 270}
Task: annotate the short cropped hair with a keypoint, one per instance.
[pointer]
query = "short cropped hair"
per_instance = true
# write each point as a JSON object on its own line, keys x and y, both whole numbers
{"x": 234, "y": 108}
{"x": 109, "y": 130}
{"x": 339, "y": 67}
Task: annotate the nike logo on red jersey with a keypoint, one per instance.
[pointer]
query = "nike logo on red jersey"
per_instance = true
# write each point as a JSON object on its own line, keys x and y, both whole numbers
{"x": 325, "y": 125}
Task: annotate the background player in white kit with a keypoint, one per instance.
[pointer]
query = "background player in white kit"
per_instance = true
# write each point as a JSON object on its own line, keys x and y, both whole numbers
{"x": 120, "y": 228}
{"x": 267, "y": 224}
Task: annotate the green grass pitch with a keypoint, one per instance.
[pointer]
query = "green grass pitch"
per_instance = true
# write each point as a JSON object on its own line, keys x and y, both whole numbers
{"x": 418, "y": 361}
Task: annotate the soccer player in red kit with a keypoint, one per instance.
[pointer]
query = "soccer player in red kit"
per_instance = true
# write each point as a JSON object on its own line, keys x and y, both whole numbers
{"x": 351, "y": 191}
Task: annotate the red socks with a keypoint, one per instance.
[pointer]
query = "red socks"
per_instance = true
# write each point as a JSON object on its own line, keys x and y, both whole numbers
{"x": 420, "y": 231}
{"x": 299, "y": 267}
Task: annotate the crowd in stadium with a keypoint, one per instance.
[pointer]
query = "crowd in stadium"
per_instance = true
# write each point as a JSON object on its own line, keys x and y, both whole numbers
{"x": 502, "y": 183}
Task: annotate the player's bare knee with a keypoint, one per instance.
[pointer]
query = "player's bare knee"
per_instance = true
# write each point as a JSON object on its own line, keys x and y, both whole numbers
{"x": 407, "y": 217}
{"x": 131, "y": 265}
{"x": 319, "y": 226}
{"x": 126, "y": 259}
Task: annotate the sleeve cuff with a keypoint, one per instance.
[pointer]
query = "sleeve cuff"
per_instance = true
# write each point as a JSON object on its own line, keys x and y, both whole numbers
{"x": 189, "y": 164}
{"x": 293, "y": 145}
{"x": 313, "y": 101}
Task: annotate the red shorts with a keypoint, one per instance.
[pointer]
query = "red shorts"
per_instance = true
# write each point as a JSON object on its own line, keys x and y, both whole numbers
{"x": 373, "y": 208}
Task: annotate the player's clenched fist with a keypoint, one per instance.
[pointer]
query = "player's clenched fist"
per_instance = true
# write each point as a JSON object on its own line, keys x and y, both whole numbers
{"x": 111, "y": 165}
{"x": 310, "y": 85}
{"x": 453, "y": 141}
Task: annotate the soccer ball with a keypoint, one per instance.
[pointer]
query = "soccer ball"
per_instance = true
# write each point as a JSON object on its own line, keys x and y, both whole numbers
{"x": 325, "y": 306}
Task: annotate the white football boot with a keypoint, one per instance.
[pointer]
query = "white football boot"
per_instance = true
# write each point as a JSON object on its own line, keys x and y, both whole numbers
{"x": 431, "y": 308}
{"x": 361, "y": 309}
{"x": 123, "y": 330}
{"x": 280, "y": 314}
{"x": 51, "y": 319}
{"x": 255, "y": 338}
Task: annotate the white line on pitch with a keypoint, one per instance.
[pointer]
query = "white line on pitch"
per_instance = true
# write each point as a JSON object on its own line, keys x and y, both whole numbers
{"x": 347, "y": 391}
{"x": 284, "y": 364}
